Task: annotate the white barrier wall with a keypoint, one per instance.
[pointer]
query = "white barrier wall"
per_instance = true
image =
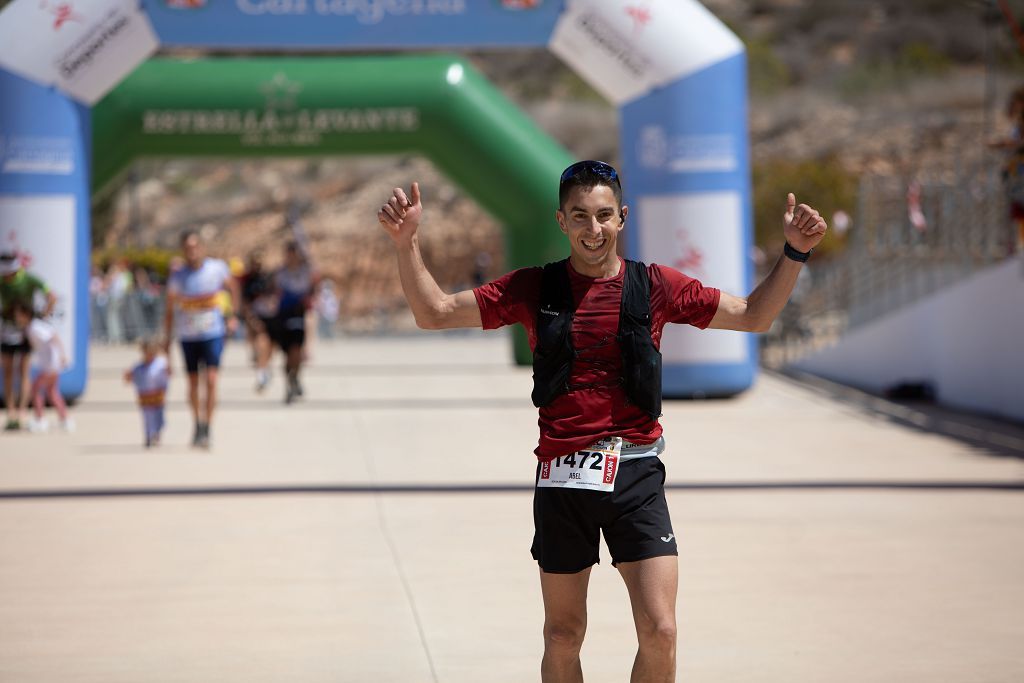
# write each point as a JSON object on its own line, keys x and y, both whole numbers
{"x": 967, "y": 341}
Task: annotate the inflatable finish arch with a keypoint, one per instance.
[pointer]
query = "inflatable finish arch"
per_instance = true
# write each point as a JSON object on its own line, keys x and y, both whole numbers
{"x": 676, "y": 73}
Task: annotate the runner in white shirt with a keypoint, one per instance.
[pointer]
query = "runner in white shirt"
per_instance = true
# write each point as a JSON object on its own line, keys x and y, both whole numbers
{"x": 193, "y": 309}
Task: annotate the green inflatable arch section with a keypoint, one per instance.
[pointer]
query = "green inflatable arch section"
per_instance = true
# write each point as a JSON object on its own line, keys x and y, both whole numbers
{"x": 437, "y": 106}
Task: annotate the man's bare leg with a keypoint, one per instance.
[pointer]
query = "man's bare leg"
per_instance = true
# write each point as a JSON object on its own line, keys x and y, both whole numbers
{"x": 652, "y": 586}
{"x": 211, "y": 393}
{"x": 193, "y": 402}
{"x": 565, "y": 624}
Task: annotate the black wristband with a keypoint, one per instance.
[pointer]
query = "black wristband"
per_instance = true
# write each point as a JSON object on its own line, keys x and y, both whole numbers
{"x": 799, "y": 256}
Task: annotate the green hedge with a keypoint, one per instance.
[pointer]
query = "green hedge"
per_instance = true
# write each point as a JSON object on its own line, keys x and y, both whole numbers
{"x": 823, "y": 183}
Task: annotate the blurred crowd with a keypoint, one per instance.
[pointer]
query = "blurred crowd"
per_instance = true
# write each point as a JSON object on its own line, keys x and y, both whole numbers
{"x": 127, "y": 301}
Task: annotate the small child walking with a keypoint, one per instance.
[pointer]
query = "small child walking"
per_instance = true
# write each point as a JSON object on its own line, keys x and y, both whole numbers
{"x": 150, "y": 377}
{"x": 50, "y": 360}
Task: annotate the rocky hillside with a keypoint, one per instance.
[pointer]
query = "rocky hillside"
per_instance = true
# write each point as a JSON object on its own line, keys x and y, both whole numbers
{"x": 894, "y": 88}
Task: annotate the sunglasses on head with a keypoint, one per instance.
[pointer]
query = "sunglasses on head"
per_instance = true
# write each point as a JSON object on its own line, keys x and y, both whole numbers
{"x": 598, "y": 168}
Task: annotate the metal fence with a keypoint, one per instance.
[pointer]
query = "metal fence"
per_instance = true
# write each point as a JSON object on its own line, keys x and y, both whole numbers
{"x": 134, "y": 316}
{"x": 892, "y": 260}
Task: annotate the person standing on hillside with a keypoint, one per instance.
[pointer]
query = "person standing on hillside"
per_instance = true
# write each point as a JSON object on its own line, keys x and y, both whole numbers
{"x": 594, "y": 322}
{"x": 194, "y": 310}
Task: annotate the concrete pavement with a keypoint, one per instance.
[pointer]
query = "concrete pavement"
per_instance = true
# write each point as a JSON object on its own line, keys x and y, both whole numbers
{"x": 802, "y": 558}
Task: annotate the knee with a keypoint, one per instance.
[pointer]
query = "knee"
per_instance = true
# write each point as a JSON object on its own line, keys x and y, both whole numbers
{"x": 659, "y": 633}
{"x": 564, "y": 636}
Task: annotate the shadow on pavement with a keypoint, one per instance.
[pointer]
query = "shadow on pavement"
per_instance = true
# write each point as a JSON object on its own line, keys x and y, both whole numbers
{"x": 362, "y": 489}
{"x": 989, "y": 435}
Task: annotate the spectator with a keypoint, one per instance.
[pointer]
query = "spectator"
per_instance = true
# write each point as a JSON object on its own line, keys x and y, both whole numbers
{"x": 326, "y": 306}
{"x": 150, "y": 378}
{"x": 50, "y": 361}
{"x": 18, "y": 286}
{"x": 98, "y": 303}
{"x": 148, "y": 295}
{"x": 118, "y": 286}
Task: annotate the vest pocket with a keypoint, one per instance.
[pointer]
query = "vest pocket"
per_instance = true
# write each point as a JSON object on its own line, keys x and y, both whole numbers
{"x": 552, "y": 360}
{"x": 642, "y": 371}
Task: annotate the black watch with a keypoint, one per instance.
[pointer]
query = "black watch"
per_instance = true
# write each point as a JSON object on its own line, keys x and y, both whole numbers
{"x": 799, "y": 256}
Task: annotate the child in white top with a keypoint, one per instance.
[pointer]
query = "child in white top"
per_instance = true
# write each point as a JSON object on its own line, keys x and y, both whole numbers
{"x": 150, "y": 378}
{"x": 50, "y": 360}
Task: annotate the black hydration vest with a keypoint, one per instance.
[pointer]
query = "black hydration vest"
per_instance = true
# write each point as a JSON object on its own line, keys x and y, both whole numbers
{"x": 554, "y": 353}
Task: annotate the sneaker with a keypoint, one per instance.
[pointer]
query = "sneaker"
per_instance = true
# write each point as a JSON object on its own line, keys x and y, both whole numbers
{"x": 289, "y": 394}
{"x": 262, "y": 380}
{"x": 40, "y": 426}
{"x": 294, "y": 386}
{"x": 197, "y": 435}
{"x": 12, "y": 425}
{"x": 149, "y": 442}
{"x": 68, "y": 425}
{"x": 204, "y": 435}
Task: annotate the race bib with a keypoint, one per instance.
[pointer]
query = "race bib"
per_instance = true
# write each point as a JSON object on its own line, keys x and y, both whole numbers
{"x": 195, "y": 323}
{"x": 593, "y": 468}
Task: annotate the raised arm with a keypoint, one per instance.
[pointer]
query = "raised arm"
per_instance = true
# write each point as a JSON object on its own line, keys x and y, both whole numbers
{"x": 432, "y": 307}
{"x": 803, "y": 228}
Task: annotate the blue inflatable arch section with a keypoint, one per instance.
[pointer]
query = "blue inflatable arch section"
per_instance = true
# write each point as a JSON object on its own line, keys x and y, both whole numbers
{"x": 677, "y": 74}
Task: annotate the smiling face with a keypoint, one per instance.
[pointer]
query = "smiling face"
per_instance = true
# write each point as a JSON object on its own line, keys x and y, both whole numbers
{"x": 590, "y": 218}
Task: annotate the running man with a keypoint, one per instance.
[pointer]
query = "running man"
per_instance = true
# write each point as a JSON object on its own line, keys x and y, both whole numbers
{"x": 18, "y": 286}
{"x": 192, "y": 303}
{"x": 259, "y": 310}
{"x": 294, "y": 282}
{"x": 597, "y": 382}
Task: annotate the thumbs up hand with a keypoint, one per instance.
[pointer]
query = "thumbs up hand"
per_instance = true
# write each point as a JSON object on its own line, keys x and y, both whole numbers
{"x": 802, "y": 226}
{"x": 400, "y": 216}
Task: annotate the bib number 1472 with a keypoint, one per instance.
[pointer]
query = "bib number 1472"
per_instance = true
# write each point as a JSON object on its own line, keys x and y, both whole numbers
{"x": 593, "y": 468}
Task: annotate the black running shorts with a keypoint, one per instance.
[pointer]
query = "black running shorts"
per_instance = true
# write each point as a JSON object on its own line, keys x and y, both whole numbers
{"x": 291, "y": 329}
{"x": 634, "y": 518}
{"x": 14, "y": 349}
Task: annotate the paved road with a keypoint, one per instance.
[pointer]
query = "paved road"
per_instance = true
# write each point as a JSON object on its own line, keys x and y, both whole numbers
{"x": 379, "y": 532}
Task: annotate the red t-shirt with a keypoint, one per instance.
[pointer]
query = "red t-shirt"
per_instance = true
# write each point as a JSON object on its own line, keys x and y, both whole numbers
{"x": 595, "y": 406}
